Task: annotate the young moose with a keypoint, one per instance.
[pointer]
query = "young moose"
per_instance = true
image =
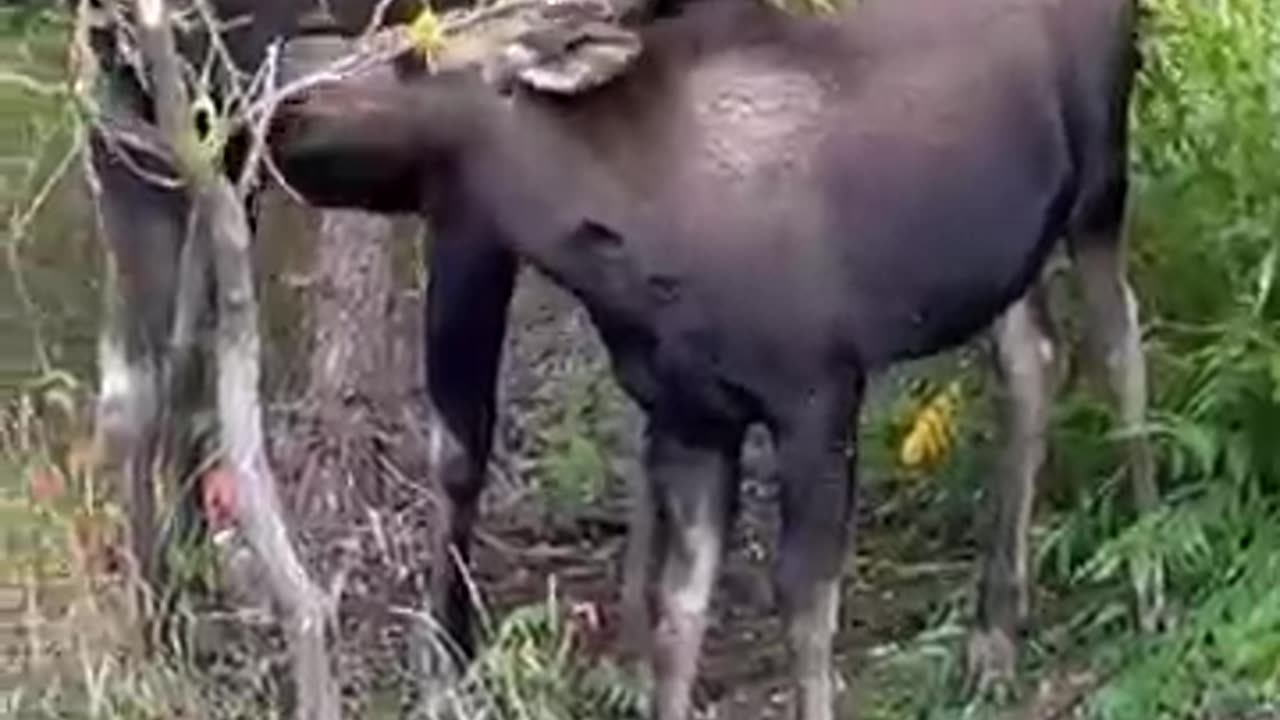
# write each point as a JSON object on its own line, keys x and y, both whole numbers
{"x": 757, "y": 213}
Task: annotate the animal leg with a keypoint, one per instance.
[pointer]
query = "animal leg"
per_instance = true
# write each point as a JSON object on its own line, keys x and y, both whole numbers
{"x": 1024, "y": 358}
{"x": 694, "y": 485}
{"x": 816, "y": 455}
{"x": 470, "y": 286}
{"x": 639, "y": 570}
{"x": 127, "y": 415}
{"x": 142, "y": 225}
{"x": 1116, "y": 345}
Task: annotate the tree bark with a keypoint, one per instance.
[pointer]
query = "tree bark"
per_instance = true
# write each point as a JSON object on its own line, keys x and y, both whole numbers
{"x": 349, "y": 314}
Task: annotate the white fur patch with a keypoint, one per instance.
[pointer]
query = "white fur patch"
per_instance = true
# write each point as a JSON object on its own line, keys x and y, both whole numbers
{"x": 755, "y": 116}
{"x": 126, "y": 394}
{"x": 693, "y": 598}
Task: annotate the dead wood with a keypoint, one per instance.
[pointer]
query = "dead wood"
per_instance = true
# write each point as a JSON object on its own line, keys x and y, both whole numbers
{"x": 221, "y": 222}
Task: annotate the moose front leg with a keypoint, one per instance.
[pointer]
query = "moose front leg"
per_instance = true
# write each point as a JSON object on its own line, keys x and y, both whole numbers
{"x": 693, "y": 473}
{"x": 470, "y": 286}
{"x": 816, "y": 456}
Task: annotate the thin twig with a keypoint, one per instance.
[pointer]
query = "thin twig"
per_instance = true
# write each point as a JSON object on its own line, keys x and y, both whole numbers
{"x": 270, "y": 69}
{"x": 378, "y": 16}
{"x": 32, "y": 85}
{"x": 380, "y": 47}
{"x": 17, "y": 230}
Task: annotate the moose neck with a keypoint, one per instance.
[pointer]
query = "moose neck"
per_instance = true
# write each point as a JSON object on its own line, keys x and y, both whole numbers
{"x": 535, "y": 187}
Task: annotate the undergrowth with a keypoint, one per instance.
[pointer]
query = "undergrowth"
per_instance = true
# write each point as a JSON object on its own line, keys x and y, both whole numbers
{"x": 571, "y": 469}
{"x": 1205, "y": 208}
{"x": 71, "y": 644}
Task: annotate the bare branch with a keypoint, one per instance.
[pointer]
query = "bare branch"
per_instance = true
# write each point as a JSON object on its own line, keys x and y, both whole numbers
{"x": 258, "y": 509}
{"x": 270, "y": 67}
{"x": 377, "y": 17}
{"x": 159, "y": 51}
{"x": 32, "y": 85}
{"x": 215, "y": 30}
{"x": 373, "y": 49}
{"x": 383, "y": 46}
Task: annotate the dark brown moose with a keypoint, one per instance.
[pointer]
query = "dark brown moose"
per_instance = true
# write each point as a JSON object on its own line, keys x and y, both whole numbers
{"x": 760, "y": 211}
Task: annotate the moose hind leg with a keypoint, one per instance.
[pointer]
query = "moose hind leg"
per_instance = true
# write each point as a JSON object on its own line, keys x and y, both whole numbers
{"x": 468, "y": 293}
{"x": 1115, "y": 342}
{"x": 694, "y": 485}
{"x": 815, "y": 459}
{"x": 1024, "y": 358}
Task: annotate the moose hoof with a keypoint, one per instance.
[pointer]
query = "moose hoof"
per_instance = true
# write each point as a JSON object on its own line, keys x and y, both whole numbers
{"x": 991, "y": 662}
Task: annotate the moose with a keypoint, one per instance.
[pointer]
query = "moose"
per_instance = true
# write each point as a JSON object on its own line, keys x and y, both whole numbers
{"x": 757, "y": 212}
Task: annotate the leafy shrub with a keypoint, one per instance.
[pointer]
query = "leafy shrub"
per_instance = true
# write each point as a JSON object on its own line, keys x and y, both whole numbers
{"x": 1206, "y": 208}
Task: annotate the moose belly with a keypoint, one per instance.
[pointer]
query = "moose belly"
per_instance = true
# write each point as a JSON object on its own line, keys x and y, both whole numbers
{"x": 929, "y": 290}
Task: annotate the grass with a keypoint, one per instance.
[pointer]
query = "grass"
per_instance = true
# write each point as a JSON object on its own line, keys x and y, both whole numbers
{"x": 572, "y": 469}
{"x": 43, "y": 316}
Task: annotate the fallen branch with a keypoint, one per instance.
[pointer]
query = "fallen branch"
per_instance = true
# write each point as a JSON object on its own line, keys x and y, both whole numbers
{"x": 221, "y": 222}
{"x": 471, "y": 37}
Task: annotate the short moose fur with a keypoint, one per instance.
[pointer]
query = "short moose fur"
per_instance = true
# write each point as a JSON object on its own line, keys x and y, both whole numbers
{"x": 761, "y": 211}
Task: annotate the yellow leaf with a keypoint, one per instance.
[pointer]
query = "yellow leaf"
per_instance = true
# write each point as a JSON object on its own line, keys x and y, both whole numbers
{"x": 426, "y": 34}
{"x": 932, "y": 431}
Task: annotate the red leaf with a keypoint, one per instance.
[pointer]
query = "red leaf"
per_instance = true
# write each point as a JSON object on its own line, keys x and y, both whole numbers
{"x": 46, "y": 485}
{"x": 218, "y": 497}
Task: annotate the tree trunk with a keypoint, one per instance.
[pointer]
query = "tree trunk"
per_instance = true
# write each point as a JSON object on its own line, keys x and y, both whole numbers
{"x": 352, "y": 452}
{"x": 350, "y": 309}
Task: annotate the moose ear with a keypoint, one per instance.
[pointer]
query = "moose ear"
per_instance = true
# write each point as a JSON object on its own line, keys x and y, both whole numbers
{"x": 570, "y": 60}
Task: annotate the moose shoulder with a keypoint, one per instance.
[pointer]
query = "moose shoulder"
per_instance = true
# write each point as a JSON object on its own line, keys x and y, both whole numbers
{"x": 757, "y": 213}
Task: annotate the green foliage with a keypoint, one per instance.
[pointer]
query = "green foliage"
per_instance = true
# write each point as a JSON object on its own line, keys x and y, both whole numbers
{"x": 38, "y": 127}
{"x": 1205, "y": 210}
{"x": 1206, "y": 206}
{"x": 572, "y": 468}
{"x": 534, "y": 668}
{"x": 1208, "y": 184}
{"x": 538, "y": 664}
